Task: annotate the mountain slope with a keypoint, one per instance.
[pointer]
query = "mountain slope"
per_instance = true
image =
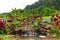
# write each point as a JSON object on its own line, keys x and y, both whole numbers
{"x": 48, "y": 3}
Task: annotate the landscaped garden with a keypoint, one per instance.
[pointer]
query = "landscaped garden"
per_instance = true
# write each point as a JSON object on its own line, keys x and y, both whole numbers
{"x": 34, "y": 24}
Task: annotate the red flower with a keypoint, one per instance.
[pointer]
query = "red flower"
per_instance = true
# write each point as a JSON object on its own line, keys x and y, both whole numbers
{"x": 2, "y": 24}
{"x": 56, "y": 22}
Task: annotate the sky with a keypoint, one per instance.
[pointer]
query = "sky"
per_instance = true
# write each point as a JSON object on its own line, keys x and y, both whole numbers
{"x": 7, "y": 5}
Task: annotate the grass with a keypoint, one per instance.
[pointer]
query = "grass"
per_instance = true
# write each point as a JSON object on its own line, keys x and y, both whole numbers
{"x": 6, "y": 37}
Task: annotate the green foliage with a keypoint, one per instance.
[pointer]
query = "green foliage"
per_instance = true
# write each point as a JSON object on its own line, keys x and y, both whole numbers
{"x": 36, "y": 23}
{"x": 52, "y": 31}
{"x": 47, "y": 11}
{"x": 45, "y": 3}
{"x": 6, "y": 37}
{"x": 17, "y": 23}
{"x": 4, "y": 31}
{"x": 42, "y": 11}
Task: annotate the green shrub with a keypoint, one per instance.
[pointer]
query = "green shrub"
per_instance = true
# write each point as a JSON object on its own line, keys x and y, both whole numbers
{"x": 4, "y": 31}
{"x": 52, "y": 31}
{"x": 17, "y": 23}
{"x": 6, "y": 37}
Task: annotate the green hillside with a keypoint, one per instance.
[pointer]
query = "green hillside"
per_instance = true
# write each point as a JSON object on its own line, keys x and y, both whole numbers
{"x": 48, "y": 3}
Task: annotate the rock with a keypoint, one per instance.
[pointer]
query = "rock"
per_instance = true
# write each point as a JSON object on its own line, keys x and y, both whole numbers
{"x": 42, "y": 36}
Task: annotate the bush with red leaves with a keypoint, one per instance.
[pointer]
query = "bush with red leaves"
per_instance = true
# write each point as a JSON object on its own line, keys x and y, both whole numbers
{"x": 12, "y": 17}
{"x": 2, "y": 25}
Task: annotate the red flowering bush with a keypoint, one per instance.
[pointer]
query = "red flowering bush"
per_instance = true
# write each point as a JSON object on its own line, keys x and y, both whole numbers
{"x": 2, "y": 25}
{"x": 12, "y": 17}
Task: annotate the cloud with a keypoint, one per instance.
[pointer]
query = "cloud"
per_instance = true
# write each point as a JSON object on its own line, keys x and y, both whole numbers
{"x": 7, "y": 5}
